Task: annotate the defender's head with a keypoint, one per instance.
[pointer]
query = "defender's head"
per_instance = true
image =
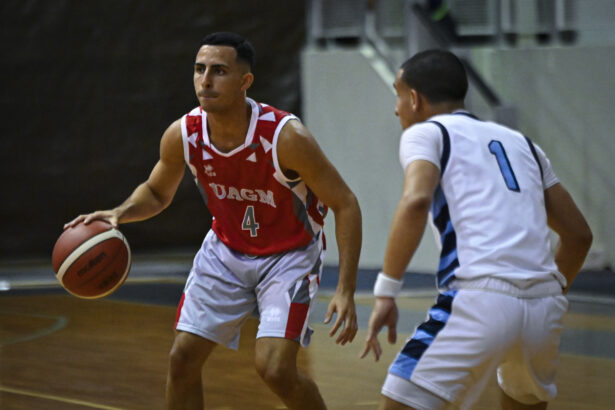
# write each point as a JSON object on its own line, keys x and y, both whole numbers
{"x": 431, "y": 82}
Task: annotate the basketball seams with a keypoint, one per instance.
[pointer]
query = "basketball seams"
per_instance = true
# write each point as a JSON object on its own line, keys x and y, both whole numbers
{"x": 117, "y": 253}
{"x": 85, "y": 247}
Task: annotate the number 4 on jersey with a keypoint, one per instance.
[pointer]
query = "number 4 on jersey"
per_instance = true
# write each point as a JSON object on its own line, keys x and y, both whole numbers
{"x": 249, "y": 222}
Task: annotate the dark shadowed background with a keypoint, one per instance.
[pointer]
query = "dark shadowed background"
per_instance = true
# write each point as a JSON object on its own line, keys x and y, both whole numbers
{"x": 88, "y": 88}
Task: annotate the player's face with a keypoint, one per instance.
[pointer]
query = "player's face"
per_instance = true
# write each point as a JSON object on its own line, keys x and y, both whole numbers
{"x": 219, "y": 79}
{"x": 404, "y": 103}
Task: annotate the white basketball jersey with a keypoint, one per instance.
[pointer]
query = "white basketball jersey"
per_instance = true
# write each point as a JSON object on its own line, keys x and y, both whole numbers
{"x": 489, "y": 209}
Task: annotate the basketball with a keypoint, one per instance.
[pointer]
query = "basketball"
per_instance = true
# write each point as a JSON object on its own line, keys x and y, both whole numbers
{"x": 91, "y": 261}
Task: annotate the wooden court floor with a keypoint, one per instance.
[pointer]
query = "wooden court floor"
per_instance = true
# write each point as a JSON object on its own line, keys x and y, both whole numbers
{"x": 60, "y": 352}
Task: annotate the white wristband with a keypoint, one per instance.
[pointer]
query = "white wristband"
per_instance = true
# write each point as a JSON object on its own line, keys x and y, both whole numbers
{"x": 386, "y": 286}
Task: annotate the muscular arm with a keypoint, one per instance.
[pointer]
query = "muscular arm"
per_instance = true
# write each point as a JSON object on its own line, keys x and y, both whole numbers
{"x": 421, "y": 179}
{"x": 153, "y": 195}
{"x": 299, "y": 152}
{"x": 568, "y": 222}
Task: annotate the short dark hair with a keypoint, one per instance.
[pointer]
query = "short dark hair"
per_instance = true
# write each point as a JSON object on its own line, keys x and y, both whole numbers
{"x": 245, "y": 51}
{"x": 438, "y": 75}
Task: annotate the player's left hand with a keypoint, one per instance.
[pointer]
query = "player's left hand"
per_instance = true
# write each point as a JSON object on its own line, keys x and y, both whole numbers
{"x": 343, "y": 305}
{"x": 385, "y": 313}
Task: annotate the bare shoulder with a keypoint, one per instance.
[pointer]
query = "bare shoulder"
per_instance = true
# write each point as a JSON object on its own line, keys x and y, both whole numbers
{"x": 171, "y": 145}
{"x": 173, "y": 131}
{"x": 299, "y": 153}
{"x": 296, "y": 144}
{"x": 294, "y": 132}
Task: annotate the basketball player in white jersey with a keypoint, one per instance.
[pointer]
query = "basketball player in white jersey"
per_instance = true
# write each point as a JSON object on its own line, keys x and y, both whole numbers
{"x": 492, "y": 196}
{"x": 267, "y": 185}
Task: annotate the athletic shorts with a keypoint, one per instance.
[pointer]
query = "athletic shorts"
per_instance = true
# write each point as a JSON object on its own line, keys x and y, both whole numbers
{"x": 472, "y": 332}
{"x": 224, "y": 288}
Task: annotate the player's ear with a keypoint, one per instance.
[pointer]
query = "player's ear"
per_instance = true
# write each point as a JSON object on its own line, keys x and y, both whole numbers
{"x": 246, "y": 81}
{"x": 415, "y": 100}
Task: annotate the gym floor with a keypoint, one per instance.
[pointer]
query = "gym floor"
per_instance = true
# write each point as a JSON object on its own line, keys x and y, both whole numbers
{"x": 61, "y": 352}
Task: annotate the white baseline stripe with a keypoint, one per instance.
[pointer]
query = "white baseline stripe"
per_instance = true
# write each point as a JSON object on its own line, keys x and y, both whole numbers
{"x": 56, "y": 398}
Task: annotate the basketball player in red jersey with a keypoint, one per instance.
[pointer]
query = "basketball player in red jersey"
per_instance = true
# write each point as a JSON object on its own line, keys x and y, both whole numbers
{"x": 268, "y": 186}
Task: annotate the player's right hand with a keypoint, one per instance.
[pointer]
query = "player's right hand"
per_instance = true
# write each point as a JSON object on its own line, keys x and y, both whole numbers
{"x": 109, "y": 216}
{"x": 385, "y": 313}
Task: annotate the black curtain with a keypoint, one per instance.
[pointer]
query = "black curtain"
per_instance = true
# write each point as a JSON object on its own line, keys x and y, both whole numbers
{"x": 89, "y": 86}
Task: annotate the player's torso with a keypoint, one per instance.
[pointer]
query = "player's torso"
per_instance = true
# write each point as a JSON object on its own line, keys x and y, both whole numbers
{"x": 493, "y": 193}
{"x": 256, "y": 210}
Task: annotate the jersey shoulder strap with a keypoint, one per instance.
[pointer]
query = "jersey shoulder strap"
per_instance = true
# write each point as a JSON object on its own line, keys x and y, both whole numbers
{"x": 535, "y": 154}
{"x": 446, "y": 146}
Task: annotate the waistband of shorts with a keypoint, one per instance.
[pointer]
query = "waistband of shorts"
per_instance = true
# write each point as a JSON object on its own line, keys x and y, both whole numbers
{"x": 534, "y": 290}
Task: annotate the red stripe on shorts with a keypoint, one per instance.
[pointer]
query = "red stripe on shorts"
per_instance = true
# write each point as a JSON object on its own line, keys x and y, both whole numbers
{"x": 296, "y": 319}
{"x": 179, "y": 310}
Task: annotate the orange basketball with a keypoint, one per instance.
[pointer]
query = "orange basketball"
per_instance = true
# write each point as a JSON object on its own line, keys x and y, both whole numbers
{"x": 91, "y": 261}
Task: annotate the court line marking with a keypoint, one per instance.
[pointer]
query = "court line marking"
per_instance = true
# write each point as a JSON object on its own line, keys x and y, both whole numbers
{"x": 56, "y": 398}
{"x": 52, "y": 283}
{"x": 359, "y": 294}
{"x": 61, "y": 322}
{"x": 589, "y": 298}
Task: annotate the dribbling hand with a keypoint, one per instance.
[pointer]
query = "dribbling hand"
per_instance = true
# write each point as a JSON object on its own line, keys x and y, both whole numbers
{"x": 109, "y": 216}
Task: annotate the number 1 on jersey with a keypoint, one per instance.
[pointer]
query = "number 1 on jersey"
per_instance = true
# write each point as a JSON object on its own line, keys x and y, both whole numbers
{"x": 497, "y": 149}
{"x": 249, "y": 222}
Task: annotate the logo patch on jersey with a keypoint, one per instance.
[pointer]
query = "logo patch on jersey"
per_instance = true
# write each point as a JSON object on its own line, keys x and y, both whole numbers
{"x": 243, "y": 194}
{"x": 252, "y": 158}
{"x": 209, "y": 170}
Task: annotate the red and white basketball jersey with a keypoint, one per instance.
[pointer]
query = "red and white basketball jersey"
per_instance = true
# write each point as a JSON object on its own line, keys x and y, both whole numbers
{"x": 255, "y": 208}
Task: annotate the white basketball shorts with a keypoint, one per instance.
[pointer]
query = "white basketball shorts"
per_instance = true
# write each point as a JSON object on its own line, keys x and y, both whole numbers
{"x": 468, "y": 334}
{"x": 224, "y": 287}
